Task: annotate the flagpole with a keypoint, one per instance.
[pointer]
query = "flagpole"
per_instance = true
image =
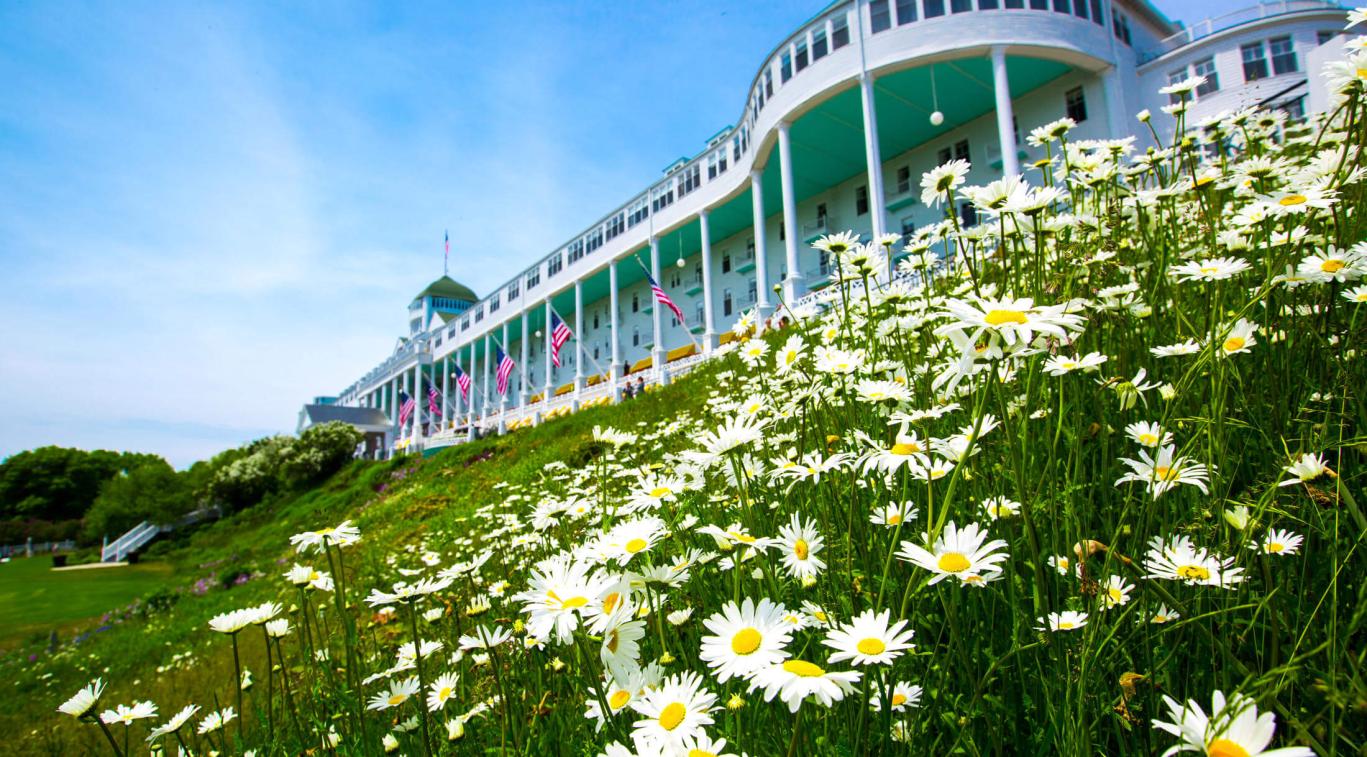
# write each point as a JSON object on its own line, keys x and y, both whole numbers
{"x": 597, "y": 367}
{"x": 646, "y": 271}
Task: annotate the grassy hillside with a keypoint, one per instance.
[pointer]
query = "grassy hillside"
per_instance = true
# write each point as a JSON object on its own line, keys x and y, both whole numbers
{"x": 160, "y": 647}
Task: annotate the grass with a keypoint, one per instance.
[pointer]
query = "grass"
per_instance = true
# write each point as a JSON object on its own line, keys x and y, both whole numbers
{"x": 34, "y": 599}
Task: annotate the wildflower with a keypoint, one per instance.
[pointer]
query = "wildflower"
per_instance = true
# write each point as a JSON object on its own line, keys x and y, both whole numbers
{"x": 303, "y": 575}
{"x": 939, "y": 182}
{"x": 1016, "y": 322}
{"x": 794, "y": 681}
{"x": 745, "y": 639}
{"x": 440, "y": 691}
{"x": 1165, "y": 471}
{"x": 1239, "y": 338}
{"x": 1332, "y": 264}
{"x": 675, "y": 711}
{"x": 960, "y": 553}
{"x": 1148, "y": 434}
{"x": 1237, "y": 517}
{"x": 800, "y": 543}
{"x": 232, "y": 622}
{"x": 485, "y": 638}
{"x": 1279, "y": 542}
{"x": 1060, "y": 365}
{"x": 1233, "y": 729}
{"x": 631, "y": 538}
{"x": 904, "y": 696}
{"x": 997, "y": 508}
{"x": 84, "y": 700}
{"x": 398, "y": 693}
{"x": 341, "y": 535}
{"x": 1068, "y": 620}
{"x": 407, "y": 593}
{"x": 1305, "y": 469}
{"x": 868, "y": 640}
{"x": 216, "y": 720}
{"x": 1115, "y": 592}
{"x": 789, "y": 354}
{"x": 1163, "y": 615}
{"x": 1214, "y": 269}
{"x": 1179, "y": 560}
{"x": 176, "y": 722}
{"x": 1357, "y": 295}
{"x": 837, "y": 244}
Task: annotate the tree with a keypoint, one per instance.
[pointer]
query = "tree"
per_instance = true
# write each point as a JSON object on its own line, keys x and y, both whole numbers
{"x": 152, "y": 492}
{"x": 57, "y": 483}
{"x": 320, "y": 451}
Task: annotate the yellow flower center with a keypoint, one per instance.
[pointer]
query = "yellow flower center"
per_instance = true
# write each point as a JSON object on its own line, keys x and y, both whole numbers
{"x": 1362, "y": 73}
{"x": 444, "y": 694}
{"x": 998, "y": 317}
{"x": 1360, "y": 297}
{"x": 1193, "y": 573}
{"x": 672, "y": 715}
{"x": 700, "y": 753}
{"x": 619, "y": 699}
{"x": 574, "y": 603}
{"x": 660, "y": 491}
{"x": 744, "y": 538}
{"x": 898, "y": 700}
{"x": 636, "y": 545}
{"x": 1164, "y": 473}
{"x": 803, "y": 668}
{"x": 612, "y": 641}
{"x": 1225, "y": 748}
{"x": 953, "y": 562}
{"x": 1148, "y": 440}
{"x": 1204, "y": 180}
{"x": 894, "y": 520}
{"x": 800, "y": 549}
{"x": 1291, "y": 200}
{"x": 1115, "y": 594}
{"x": 1234, "y": 344}
{"x": 610, "y": 601}
{"x": 905, "y": 449}
{"x": 1209, "y": 269}
{"x": 871, "y": 646}
{"x": 397, "y": 699}
{"x": 1332, "y": 265}
{"x": 1066, "y": 625}
{"x": 746, "y": 641}
{"x": 1275, "y": 547}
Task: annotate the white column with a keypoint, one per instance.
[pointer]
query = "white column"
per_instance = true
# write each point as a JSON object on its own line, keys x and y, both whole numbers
{"x": 1006, "y": 132}
{"x": 872, "y": 155}
{"x": 445, "y": 392}
{"x": 503, "y": 396}
{"x": 394, "y": 411}
{"x": 488, "y": 358}
{"x": 657, "y": 352}
{"x": 615, "y": 373}
{"x": 1116, "y": 116}
{"x": 709, "y": 336}
{"x": 472, "y": 370}
{"x": 761, "y": 254}
{"x": 578, "y": 340}
{"x": 526, "y": 346}
{"x": 419, "y": 402}
{"x": 793, "y": 286}
{"x": 550, "y": 382}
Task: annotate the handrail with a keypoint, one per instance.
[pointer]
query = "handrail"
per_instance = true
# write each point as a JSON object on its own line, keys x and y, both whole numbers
{"x": 1215, "y": 24}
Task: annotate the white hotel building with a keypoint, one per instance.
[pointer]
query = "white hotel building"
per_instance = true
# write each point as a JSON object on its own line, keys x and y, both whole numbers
{"x": 834, "y": 133}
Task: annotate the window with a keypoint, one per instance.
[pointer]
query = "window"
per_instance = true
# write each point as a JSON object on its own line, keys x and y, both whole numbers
{"x": 861, "y": 200}
{"x": 465, "y": 323}
{"x": 726, "y": 262}
{"x": 576, "y": 250}
{"x": 769, "y": 82}
{"x": 753, "y": 291}
{"x": 1013, "y": 4}
{"x": 726, "y": 302}
{"x": 960, "y": 6}
{"x": 735, "y": 148}
{"x": 906, "y": 11}
{"x": 1061, "y": 6}
{"x": 1295, "y": 109}
{"x": 1206, "y": 67}
{"x": 1039, "y": 5}
{"x": 557, "y": 262}
{"x": 616, "y": 225}
{"x": 935, "y": 8}
{"x": 1080, "y": 8}
{"x": 479, "y": 313}
{"x": 819, "y": 48}
{"x": 750, "y": 248}
{"x": 595, "y": 352}
{"x": 698, "y": 311}
{"x": 635, "y": 302}
{"x": 635, "y": 336}
{"x": 1120, "y": 24}
{"x": 1075, "y": 104}
{"x": 824, "y": 263}
{"x": 690, "y": 179}
{"x": 1283, "y": 55}
{"x": 662, "y": 196}
{"x": 512, "y": 291}
{"x": 534, "y": 278}
{"x": 968, "y": 215}
{"x": 595, "y": 320}
{"x": 638, "y": 212}
{"x": 903, "y": 180}
{"x": 594, "y": 240}
{"x": 1097, "y": 17}
{"x": 1255, "y": 63}
{"x": 987, "y": 5}
{"x": 800, "y": 54}
{"x": 821, "y": 214}
{"x": 944, "y": 156}
{"x": 961, "y": 149}
{"x": 493, "y": 304}
{"x": 1173, "y": 78}
{"x": 785, "y": 66}
{"x": 879, "y": 16}
{"x": 840, "y": 32}
{"x": 697, "y": 273}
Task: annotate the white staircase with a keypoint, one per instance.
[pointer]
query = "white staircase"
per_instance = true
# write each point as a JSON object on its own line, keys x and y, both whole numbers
{"x": 136, "y": 537}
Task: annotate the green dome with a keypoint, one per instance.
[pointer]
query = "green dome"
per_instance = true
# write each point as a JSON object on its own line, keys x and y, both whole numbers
{"x": 448, "y": 287}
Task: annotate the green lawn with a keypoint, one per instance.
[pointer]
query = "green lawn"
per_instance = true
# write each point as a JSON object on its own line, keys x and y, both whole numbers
{"x": 34, "y": 598}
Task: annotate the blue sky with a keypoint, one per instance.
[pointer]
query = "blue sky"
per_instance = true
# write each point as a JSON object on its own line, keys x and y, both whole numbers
{"x": 211, "y": 212}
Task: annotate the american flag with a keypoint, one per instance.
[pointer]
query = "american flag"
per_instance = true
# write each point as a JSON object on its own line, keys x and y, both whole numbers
{"x": 463, "y": 381}
{"x": 406, "y": 407}
{"x": 433, "y": 399}
{"x": 560, "y": 333}
{"x": 505, "y": 370}
{"x": 663, "y": 298}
